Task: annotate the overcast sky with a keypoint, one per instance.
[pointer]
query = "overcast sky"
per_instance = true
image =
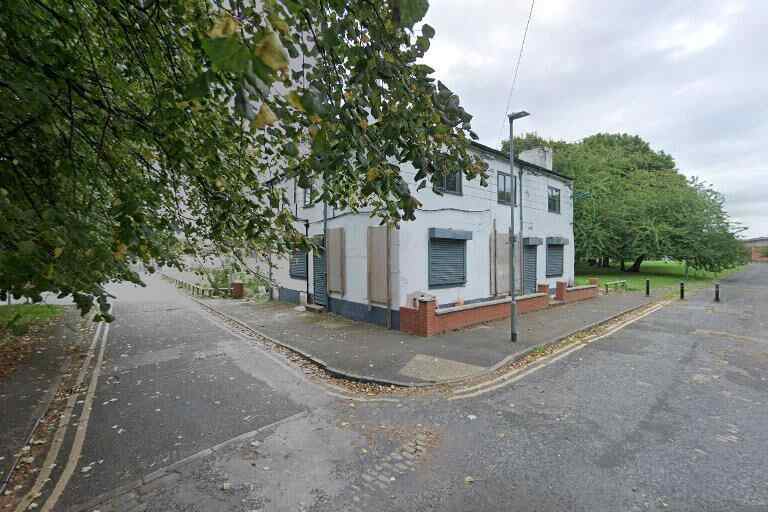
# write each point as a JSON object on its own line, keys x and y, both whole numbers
{"x": 690, "y": 77}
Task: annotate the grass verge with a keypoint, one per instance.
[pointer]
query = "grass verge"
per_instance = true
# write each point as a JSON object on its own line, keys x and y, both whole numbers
{"x": 16, "y": 319}
{"x": 663, "y": 274}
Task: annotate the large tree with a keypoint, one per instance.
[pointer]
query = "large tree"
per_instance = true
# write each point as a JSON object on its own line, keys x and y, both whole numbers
{"x": 135, "y": 130}
{"x": 631, "y": 203}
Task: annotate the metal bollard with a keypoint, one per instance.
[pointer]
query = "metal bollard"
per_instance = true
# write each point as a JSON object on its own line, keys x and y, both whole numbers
{"x": 647, "y": 287}
{"x": 682, "y": 291}
{"x": 717, "y": 292}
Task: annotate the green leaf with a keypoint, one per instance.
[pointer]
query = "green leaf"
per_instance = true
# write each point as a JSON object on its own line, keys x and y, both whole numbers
{"x": 408, "y": 12}
{"x": 224, "y": 26}
{"x": 271, "y": 52}
{"x": 427, "y": 31}
{"x": 312, "y": 103}
{"x": 278, "y": 23}
{"x": 295, "y": 101}
{"x": 259, "y": 75}
{"x": 199, "y": 87}
{"x": 291, "y": 149}
{"x": 265, "y": 117}
{"x": 227, "y": 54}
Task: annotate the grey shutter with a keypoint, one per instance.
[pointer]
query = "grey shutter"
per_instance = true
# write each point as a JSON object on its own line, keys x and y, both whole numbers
{"x": 529, "y": 268}
{"x": 447, "y": 262}
{"x": 298, "y": 265}
{"x": 554, "y": 260}
{"x": 318, "y": 277}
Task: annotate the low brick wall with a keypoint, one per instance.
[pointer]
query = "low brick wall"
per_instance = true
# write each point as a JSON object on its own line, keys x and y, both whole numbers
{"x": 428, "y": 320}
{"x": 758, "y": 254}
{"x": 575, "y": 293}
{"x": 409, "y": 320}
{"x": 532, "y": 302}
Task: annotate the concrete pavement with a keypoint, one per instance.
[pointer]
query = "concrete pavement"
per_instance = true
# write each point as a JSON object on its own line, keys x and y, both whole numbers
{"x": 370, "y": 352}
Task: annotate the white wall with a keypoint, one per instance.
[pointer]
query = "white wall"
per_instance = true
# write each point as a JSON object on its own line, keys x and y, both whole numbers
{"x": 538, "y": 221}
{"x": 475, "y": 210}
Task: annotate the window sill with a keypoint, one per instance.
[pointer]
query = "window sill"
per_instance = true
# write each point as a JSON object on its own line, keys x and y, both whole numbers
{"x": 449, "y": 192}
{"x": 449, "y": 285}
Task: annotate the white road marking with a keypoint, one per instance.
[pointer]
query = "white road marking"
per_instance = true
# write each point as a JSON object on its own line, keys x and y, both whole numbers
{"x": 82, "y": 428}
{"x": 61, "y": 431}
{"x": 504, "y": 380}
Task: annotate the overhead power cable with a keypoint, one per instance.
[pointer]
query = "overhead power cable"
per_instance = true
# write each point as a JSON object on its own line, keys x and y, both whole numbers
{"x": 517, "y": 65}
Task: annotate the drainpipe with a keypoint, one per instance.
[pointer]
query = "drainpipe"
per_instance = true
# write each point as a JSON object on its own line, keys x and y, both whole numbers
{"x": 389, "y": 277}
{"x": 325, "y": 253}
{"x": 522, "y": 247}
{"x": 306, "y": 255}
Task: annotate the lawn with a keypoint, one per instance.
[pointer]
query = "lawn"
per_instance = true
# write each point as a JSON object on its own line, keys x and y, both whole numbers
{"x": 17, "y": 318}
{"x": 663, "y": 274}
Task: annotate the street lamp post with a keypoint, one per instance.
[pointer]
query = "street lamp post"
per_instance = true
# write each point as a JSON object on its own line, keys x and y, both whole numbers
{"x": 513, "y": 303}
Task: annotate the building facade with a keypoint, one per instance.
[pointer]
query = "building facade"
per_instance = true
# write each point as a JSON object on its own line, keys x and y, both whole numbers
{"x": 456, "y": 250}
{"x": 758, "y": 248}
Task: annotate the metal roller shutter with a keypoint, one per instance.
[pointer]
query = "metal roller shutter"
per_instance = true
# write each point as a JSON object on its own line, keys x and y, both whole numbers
{"x": 447, "y": 262}
{"x": 554, "y": 260}
{"x": 298, "y": 265}
{"x": 318, "y": 277}
{"x": 529, "y": 268}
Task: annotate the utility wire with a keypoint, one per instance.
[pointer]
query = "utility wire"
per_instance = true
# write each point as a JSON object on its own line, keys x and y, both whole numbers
{"x": 517, "y": 66}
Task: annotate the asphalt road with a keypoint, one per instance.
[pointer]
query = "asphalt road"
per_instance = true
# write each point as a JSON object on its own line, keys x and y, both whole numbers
{"x": 667, "y": 414}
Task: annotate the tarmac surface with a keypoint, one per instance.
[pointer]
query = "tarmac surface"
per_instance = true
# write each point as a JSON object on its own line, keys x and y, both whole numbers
{"x": 668, "y": 413}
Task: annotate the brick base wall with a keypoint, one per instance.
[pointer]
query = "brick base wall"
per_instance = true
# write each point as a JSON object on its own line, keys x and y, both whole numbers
{"x": 757, "y": 254}
{"x": 575, "y": 293}
{"x": 425, "y": 321}
{"x": 532, "y": 303}
{"x": 458, "y": 319}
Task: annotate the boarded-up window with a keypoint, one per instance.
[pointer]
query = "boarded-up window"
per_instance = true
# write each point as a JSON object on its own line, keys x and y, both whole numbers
{"x": 378, "y": 282}
{"x": 554, "y": 260}
{"x": 501, "y": 265}
{"x": 298, "y": 265}
{"x": 335, "y": 255}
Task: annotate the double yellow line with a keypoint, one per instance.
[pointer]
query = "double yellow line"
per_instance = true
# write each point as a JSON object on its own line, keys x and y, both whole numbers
{"x": 520, "y": 373}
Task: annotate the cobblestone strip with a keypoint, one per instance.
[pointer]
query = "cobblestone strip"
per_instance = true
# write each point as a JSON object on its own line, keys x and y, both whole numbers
{"x": 380, "y": 478}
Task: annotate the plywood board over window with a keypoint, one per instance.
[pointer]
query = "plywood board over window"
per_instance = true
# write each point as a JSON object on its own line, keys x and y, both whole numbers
{"x": 378, "y": 265}
{"x": 500, "y": 263}
{"x": 335, "y": 260}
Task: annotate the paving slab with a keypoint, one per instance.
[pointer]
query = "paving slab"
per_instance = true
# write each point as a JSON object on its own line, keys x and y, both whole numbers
{"x": 371, "y": 352}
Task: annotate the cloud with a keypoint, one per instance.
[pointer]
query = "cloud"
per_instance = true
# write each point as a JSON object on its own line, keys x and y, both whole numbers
{"x": 686, "y": 76}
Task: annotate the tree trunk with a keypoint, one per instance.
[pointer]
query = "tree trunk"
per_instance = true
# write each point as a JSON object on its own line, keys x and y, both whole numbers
{"x": 636, "y": 265}
{"x": 623, "y": 265}
{"x": 606, "y": 262}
